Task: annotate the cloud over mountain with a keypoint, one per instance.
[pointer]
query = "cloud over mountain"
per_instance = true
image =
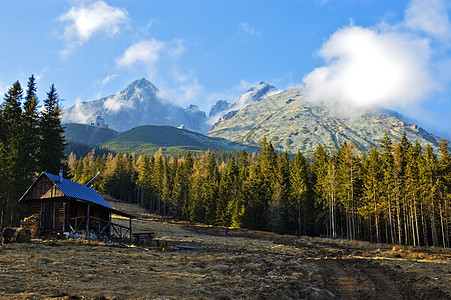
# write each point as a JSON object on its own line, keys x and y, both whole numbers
{"x": 382, "y": 65}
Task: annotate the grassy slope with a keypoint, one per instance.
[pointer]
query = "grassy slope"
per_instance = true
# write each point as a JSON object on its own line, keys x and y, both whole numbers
{"x": 88, "y": 134}
{"x": 148, "y": 139}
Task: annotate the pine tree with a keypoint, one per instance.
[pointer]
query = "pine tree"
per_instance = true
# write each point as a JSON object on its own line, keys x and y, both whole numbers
{"x": 3, "y": 183}
{"x": 144, "y": 183}
{"x": 298, "y": 193}
{"x": 180, "y": 192}
{"x": 324, "y": 199}
{"x": 387, "y": 193}
{"x": 398, "y": 192}
{"x": 12, "y": 139}
{"x": 372, "y": 189}
{"x": 52, "y": 142}
{"x": 210, "y": 189}
{"x": 197, "y": 201}
{"x": 256, "y": 199}
{"x": 280, "y": 196}
{"x": 444, "y": 189}
{"x": 428, "y": 178}
{"x": 229, "y": 191}
{"x": 31, "y": 130}
{"x": 412, "y": 191}
{"x": 235, "y": 207}
{"x": 348, "y": 175}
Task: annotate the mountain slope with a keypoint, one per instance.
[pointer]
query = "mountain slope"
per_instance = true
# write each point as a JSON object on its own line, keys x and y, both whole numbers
{"x": 148, "y": 139}
{"x": 140, "y": 103}
{"x": 292, "y": 123}
{"x": 222, "y": 110}
{"x": 88, "y": 134}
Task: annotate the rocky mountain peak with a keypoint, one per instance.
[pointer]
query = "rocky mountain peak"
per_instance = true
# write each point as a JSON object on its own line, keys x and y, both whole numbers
{"x": 223, "y": 110}
{"x": 254, "y": 94}
{"x": 219, "y": 107}
{"x": 140, "y": 103}
{"x": 142, "y": 83}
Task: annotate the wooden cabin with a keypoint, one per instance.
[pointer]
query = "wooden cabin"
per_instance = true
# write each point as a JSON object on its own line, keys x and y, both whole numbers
{"x": 60, "y": 205}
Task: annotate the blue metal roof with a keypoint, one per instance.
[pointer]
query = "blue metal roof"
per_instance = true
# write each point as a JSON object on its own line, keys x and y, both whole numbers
{"x": 76, "y": 190}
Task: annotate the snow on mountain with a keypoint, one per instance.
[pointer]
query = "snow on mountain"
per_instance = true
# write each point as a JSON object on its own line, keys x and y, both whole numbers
{"x": 253, "y": 95}
{"x": 140, "y": 103}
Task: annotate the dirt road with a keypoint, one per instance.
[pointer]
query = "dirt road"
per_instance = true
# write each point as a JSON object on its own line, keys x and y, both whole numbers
{"x": 247, "y": 265}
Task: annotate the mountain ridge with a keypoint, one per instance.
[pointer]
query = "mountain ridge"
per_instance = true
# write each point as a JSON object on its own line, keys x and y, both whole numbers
{"x": 292, "y": 124}
{"x": 140, "y": 103}
{"x": 286, "y": 118}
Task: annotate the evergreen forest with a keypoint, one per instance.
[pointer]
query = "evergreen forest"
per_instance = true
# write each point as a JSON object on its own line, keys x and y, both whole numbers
{"x": 396, "y": 193}
{"x": 31, "y": 141}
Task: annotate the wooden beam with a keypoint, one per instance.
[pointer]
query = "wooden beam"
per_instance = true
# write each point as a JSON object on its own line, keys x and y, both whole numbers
{"x": 42, "y": 216}
{"x": 64, "y": 216}
{"x": 54, "y": 215}
{"x": 130, "y": 222}
{"x": 88, "y": 212}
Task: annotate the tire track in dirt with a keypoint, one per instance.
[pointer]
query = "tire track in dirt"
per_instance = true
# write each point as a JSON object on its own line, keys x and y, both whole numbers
{"x": 354, "y": 280}
{"x": 384, "y": 285}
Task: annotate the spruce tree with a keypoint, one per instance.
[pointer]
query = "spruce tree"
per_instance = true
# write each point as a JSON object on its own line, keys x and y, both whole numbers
{"x": 31, "y": 129}
{"x": 210, "y": 189}
{"x": 280, "y": 196}
{"x": 323, "y": 200}
{"x": 348, "y": 175}
{"x": 12, "y": 138}
{"x": 444, "y": 189}
{"x": 256, "y": 199}
{"x": 299, "y": 187}
{"x": 372, "y": 189}
{"x": 51, "y": 150}
{"x": 387, "y": 193}
{"x": 412, "y": 190}
{"x": 229, "y": 191}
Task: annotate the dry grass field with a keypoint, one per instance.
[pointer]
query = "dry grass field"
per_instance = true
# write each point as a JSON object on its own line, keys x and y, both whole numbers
{"x": 247, "y": 265}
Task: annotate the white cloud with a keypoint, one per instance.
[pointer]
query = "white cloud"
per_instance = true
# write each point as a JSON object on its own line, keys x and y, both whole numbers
{"x": 78, "y": 114}
{"x": 367, "y": 68}
{"x": 191, "y": 90}
{"x": 117, "y": 102}
{"x": 86, "y": 20}
{"x": 108, "y": 79}
{"x": 246, "y": 28}
{"x": 430, "y": 17}
{"x": 147, "y": 52}
{"x": 388, "y": 65}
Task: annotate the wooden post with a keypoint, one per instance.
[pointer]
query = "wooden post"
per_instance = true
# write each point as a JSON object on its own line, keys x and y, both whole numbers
{"x": 87, "y": 220}
{"x": 130, "y": 230}
{"x": 42, "y": 216}
{"x": 109, "y": 226}
{"x": 54, "y": 215}
{"x": 64, "y": 217}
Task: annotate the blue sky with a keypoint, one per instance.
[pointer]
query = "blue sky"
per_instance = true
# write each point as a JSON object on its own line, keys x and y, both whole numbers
{"x": 395, "y": 54}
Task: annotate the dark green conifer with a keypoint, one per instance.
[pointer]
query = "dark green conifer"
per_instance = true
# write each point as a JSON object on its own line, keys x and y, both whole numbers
{"x": 51, "y": 151}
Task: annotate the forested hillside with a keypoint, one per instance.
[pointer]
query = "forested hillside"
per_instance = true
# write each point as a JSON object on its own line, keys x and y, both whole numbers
{"x": 397, "y": 193}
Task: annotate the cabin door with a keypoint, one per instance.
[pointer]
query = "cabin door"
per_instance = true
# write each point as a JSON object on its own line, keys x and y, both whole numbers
{"x": 48, "y": 216}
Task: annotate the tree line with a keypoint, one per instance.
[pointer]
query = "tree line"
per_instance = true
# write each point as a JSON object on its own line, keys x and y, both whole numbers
{"x": 395, "y": 193}
{"x": 31, "y": 141}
